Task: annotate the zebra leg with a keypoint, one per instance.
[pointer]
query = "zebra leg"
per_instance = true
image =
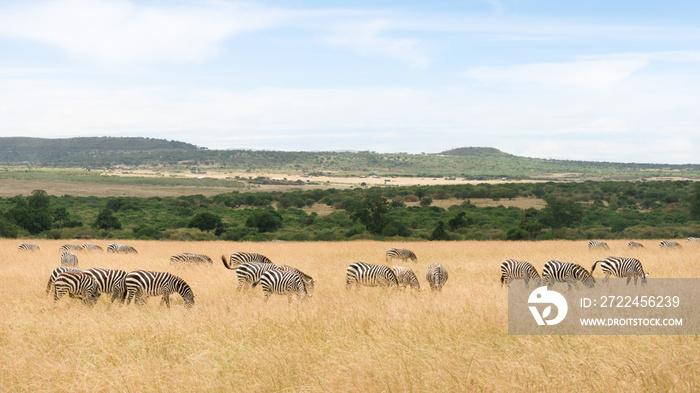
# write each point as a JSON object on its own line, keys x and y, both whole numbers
{"x": 130, "y": 295}
{"x": 606, "y": 279}
{"x": 629, "y": 278}
{"x": 527, "y": 282}
{"x": 165, "y": 299}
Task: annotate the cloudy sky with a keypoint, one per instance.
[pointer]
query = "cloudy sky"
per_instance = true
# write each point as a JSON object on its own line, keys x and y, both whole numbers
{"x": 602, "y": 80}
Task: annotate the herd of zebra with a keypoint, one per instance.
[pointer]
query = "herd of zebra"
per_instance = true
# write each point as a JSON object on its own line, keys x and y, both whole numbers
{"x": 251, "y": 269}
{"x": 572, "y": 273}
{"x": 593, "y": 244}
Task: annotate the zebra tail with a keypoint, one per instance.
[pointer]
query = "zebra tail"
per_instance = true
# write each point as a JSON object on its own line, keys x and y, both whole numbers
{"x": 223, "y": 259}
{"x": 255, "y": 283}
{"x": 593, "y": 267}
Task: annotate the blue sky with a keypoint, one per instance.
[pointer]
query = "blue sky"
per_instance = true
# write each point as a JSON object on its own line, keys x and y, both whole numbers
{"x": 613, "y": 80}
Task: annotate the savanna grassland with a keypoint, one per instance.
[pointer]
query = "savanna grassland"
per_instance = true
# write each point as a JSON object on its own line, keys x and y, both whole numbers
{"x": 371, "y": 340}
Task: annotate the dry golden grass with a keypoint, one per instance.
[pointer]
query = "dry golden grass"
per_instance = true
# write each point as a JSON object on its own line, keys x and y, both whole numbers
{"x": 339, "y": 341}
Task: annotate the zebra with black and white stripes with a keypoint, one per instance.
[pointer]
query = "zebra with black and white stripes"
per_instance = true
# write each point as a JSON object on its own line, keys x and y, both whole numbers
{"x": 406, "y": 277}
{"x": 109, "y": 281}
{"x": 250, "y": 272}
{"x": 669, "y": 244}
{"x": 621, "y": 267}
{"x": 69, "y": 259}
{"x": 400, "y": 253}
{"x": 121, "y": 248}
{"x": 512, "y": 269}
{"x": 308, "y": 281}
{"x": 558, "y": 271}
{"x": 75, "y": 284}
{"x": 240, "y": 257}
{"x": 56, "y": 272}
{"x": 28, "y": 247}
{"x": 436, "y": 276}
{"x": 91, "y": 247}
{"x": 188, "y": 257}
{"x": 366, "y": 274}
{"x": 693, "y": 240}
{"x": 282, "y": 282}
{"x": 70, "y": 247}
{"x": 141, "y": 284}
{"x": 597, "y": 244}
{"x": 635, "y": 245}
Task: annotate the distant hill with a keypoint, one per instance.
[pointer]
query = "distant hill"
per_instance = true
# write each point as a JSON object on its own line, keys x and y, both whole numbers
{"x": 24, "y": 145}
{"x": 476, "y": 152}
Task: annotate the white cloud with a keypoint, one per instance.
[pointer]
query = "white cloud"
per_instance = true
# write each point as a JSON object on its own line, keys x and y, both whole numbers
{"x": 372, "y": 38}
{"x": 122, "y": 32}
{"x": 592, "y": 74}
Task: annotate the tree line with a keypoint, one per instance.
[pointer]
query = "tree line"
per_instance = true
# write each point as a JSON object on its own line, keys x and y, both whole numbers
{"x": 583, "y": 210}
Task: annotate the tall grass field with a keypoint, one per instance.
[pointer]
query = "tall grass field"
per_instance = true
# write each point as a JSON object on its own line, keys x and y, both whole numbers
{"x": 366, "y": 340}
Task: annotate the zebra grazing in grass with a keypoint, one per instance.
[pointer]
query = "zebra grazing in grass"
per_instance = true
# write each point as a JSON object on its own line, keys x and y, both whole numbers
{"x": 598, "y": 244}
{"x": 28, "y": 247}
{"x": 69, "y": 259}
{"x": 621, "y": 267}
{"x": 669, "y": 244}
{"x": 121, "y": 248}
{"x": 361, "y": 273}
{"x": 141, "y": 284}
{"x": 515, "y": 270}
{"x": 558, "y": 271}
{"x": 241, "y": 257}
{"x": 109, "y": 281}
{"x": 693, "y": 240}
{"x": 282, "y": 282}
{"x": 308, "y": 281}
{"x": 188, "y": 257}
{"x": 56, "y": 272}
{"x": 635, "y": 245}
{"x": 436, "y": 276}
{"x": 400, "y": 253}
{"x": 70, "y": 247}
{"x": 250, "y": 272}
{"x": 76, "y": 284}
{"x": 406, "y": 277}
{"x": 91, "y": 247}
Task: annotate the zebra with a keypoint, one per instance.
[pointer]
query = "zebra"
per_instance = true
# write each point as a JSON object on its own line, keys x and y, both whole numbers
{"x": 305, "y": 278}
{"x": 669, "y": 244}
{"x": 188, "y": 257}
{"x": 109, "y": 281}
{"x": 693, "y": 240}
{"x": 436, "y": 276}
{"x": 76, "y": 284}
{"x": 56, "y": 272}
{"x": 406, "y": 277}
{"x": 598, "y": 244}
{"x": 70, "y": 247}
{"x": 621, "y": 267}
{"x": 28, "y": 247}
{"x": 635, "y": 245}
{"x": 240, "y": 257}
{"x": 361, "y": 273}
{"x": 91, "y": 247}
{"x": 140, "y": 284}
{"x": 400, "y": 253}
{"x": 120, "y": 248}
{"x": 69, "y": 259}
{"x": 512, "y": 270}
{"x": 558, "y": 271}
{"x": 282, "y": 282}
{"x": 250, "y": 272}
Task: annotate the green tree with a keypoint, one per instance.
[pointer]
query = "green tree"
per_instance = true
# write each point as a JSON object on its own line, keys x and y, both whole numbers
{"x": 439, "y": 232}
{"x": 205, "y": 221}
{"x": 32, "y": 214}
{"x": 695, "y": 202}
{"x": 560, "y": 213}
{"x": 265, "y": 220}
{"x": 107, "y": 220}
{"x": 371, "y": 212}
